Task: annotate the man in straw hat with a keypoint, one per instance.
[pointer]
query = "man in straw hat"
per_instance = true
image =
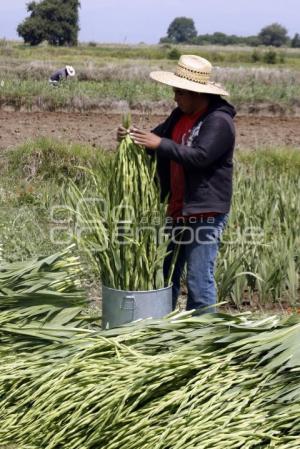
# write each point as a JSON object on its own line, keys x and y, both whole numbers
{"x": 62, "y": 74}
{"x": 194, "y": 149}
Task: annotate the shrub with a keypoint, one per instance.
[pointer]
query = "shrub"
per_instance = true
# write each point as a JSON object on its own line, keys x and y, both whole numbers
{"x": 174, "y": 54}
{"x": 255, "y": 56}
{"x": 270, "y": 57}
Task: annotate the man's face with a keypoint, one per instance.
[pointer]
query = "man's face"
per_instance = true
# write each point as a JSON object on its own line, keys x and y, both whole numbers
{"x": 186, "y": 100}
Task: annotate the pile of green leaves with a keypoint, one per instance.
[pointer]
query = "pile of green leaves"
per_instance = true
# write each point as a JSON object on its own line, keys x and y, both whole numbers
{"x": 38, "y": 297}
{"x": 212, "y": 381}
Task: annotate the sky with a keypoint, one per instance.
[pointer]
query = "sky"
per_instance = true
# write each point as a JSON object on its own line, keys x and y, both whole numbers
{"x": 135, "y": 21}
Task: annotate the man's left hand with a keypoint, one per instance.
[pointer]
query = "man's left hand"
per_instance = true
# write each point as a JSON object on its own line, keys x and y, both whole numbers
{"x": 147, "y": 139}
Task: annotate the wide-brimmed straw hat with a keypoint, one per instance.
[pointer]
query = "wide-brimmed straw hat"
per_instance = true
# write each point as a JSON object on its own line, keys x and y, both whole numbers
{"x": 192, "y": 73}
{"x": 70, "y": 70}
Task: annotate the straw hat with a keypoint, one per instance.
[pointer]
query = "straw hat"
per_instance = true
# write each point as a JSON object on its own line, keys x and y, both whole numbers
{"x": 70, "y": 70}
{"x": 192, "y": 73}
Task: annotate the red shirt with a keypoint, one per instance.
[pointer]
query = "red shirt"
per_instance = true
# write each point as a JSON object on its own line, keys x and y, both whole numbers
{"x": 180, "y": 135}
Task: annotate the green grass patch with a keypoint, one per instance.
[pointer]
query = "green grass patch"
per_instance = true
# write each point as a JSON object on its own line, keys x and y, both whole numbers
{"x": 50, "y": 160}
{"x": 32, "y": 218}
{"x": 276, "y": 160}
{"x": 232, "y": 55}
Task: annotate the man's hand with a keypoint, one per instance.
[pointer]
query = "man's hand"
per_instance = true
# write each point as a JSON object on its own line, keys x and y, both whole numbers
{"x": 147, "y": 139}
{"x": 121, "y": 133}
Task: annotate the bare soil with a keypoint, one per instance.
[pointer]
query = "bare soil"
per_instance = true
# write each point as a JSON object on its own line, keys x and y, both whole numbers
{"x": 98, "y": 129}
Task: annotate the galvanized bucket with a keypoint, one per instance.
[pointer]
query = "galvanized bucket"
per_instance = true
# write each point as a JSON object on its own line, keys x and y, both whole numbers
{"x": 121, "y": 307}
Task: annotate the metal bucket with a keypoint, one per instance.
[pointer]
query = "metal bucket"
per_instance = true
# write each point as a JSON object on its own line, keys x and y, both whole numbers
{"x": 121, "y": 307}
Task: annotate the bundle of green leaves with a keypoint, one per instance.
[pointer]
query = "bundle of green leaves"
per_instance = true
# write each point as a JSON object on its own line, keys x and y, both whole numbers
{"x": 120, "y": 226}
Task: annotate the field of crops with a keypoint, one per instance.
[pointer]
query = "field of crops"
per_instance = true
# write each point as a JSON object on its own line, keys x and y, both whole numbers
{"x": 259, "y": 260}
{"x": 189, "y": 381}
{"x": 112, "y": 73}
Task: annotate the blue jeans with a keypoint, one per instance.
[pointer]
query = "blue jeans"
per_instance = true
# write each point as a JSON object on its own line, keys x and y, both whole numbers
{"x": 197, "y": 245}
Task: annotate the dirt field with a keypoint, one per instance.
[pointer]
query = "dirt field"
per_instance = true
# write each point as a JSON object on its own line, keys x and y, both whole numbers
{"x": 99, "y": 130}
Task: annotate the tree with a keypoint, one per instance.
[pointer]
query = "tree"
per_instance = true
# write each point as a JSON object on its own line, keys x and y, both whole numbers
{"x": 295, "y": 43}
{"x": 182, "y": 29}
{"x": 274, "y": 34}
{"x": 55, "y": 21}
{"x": 252, "y": 41}
{"x": 219, "y": 38}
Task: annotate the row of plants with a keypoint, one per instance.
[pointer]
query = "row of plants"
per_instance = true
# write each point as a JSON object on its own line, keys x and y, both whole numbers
{"x": 109, "y": 70}
{"x": 260, "y": 255}
{"x": 97, "y": 52}
{"x": 136, "y": 94}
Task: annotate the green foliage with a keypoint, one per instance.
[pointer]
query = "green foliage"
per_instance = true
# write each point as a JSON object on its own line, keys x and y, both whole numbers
{"x": 121, "y": 238}
{"x": 181, "y": 29}
{"x": 51, "y": 20}
{"x": 174, "y": 54}
{"x": 25, "y": 62}
{"x": 270, "y": 57}
{"x": 274, "y": 34}
{"x": 260, "y": 252}
{"x": 252, "y": 41}
{"x": 255, "y": 56}
{"x": 246, "y": 87}
{"x": 295, "y": 43}
{"x": 270, "y": 251}
{"x": 39, "y": 170}
{"x": 187, "y": 381}
{"x": 32, "y": 30}
{"x": 47, "y": 159}
{"x": 219, "y": 38}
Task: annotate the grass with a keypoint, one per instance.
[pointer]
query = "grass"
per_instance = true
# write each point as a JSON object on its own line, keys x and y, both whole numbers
{"x": 84, "y": 95}
{"x": 217, "y": 54}
{"x": 92, "y": 95}
{"x": 49, "y": 159}
{"x": 261, "y": 255}
{"x": 31, "y": 212}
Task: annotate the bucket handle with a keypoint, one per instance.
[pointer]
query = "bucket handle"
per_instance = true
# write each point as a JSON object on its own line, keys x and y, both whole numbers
{"x": 128, "y": 303}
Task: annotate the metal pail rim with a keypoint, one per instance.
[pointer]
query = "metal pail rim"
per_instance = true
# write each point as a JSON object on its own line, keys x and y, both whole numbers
{"x": 137, "y": 291}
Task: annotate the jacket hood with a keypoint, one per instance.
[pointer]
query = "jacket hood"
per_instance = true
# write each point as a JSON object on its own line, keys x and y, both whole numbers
{"x": 219, "y": 104}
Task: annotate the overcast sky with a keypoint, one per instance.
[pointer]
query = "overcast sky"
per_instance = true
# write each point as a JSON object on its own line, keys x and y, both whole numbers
{"x": 134, "y": 21}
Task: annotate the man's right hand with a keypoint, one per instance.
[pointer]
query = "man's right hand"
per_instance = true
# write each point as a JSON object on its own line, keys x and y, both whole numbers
{"x": 121, "y": 133}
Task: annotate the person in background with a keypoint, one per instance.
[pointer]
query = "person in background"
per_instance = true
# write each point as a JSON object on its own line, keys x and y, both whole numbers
{"x": 194, "y": 149}
{"x": 62, "y": 74}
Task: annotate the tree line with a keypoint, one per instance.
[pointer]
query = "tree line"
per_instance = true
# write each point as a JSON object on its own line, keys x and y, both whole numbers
{"x": 182, "y": 30}
{"x": 57, "y": 22}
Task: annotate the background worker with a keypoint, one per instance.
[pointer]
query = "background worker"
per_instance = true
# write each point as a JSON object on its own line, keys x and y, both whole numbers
{"x": 194, "y": 149}
{"x": 62, "y": 74}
